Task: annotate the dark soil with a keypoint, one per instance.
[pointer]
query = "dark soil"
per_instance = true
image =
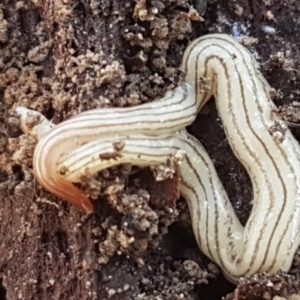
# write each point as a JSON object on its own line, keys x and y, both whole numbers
{"x": 50, "y": 53}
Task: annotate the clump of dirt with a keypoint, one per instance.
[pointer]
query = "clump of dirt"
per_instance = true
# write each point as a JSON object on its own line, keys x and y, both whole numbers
{"x": 276, "y": 287}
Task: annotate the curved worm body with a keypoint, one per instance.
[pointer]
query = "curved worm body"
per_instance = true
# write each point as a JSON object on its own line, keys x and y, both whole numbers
{"x": 175, "y": 110}
{"x": 214, "y": 65}
{"x": 265, "y": 147}
{"x": 199, "y": 185}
